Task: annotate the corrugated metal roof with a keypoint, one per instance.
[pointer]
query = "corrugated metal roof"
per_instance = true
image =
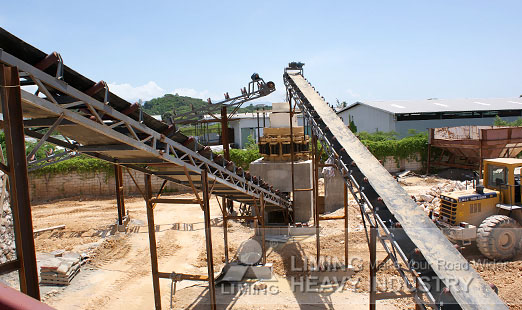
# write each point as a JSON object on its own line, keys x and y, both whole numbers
{"x": 442, "y": 105}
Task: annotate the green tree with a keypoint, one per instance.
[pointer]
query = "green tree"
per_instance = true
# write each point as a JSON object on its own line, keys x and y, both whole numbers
{"x": 244, "y": 157}
{"x": 501, "y": 122}
{"x": 351, "y": 124}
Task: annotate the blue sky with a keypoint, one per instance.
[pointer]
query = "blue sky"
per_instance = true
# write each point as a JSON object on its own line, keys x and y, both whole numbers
{"x": 353, "y": 50}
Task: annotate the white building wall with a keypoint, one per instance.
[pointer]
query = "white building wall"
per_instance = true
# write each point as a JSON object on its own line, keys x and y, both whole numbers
{"x": 247, "y": 123}
{"x": 368, "y": 119}
{"x": 402, "y": 127}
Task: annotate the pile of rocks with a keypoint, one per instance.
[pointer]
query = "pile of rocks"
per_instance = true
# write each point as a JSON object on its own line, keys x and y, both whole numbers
{"x": 430, "y": 201}
{"x": 7, "y": 243}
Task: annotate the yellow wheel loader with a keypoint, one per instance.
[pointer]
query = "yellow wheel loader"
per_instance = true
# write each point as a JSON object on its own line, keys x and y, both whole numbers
{"x": 490, "y": 215}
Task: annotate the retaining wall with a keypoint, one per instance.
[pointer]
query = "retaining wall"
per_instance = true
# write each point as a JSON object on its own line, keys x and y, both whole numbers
{"x": 413, "y": 164}
{"x": 88, "y": 185}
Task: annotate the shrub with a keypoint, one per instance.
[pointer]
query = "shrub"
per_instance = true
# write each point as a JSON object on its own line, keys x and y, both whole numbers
{"x": 243, "y": 157}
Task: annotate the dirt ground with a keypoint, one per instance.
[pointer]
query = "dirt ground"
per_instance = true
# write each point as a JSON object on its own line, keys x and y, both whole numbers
{"x": 118, "y": 273}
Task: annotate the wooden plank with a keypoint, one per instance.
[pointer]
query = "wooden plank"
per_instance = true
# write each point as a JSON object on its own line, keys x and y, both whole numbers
{"x": 183, "y": 276}
{"x": 175, "y": 200}
{"x": 37, "y": 231}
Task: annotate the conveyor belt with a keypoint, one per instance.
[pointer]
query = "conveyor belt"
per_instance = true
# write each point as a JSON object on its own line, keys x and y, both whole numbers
{"x": 101, "y": 124}
{"x": 428, "y": 253}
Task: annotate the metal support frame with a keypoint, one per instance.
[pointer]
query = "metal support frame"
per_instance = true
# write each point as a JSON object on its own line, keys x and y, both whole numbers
{"x": 365, "y": 195}
{"x": 139, "y": 137}
{"x": 60, "y": 102}
{"x": 356, "y": 190}
{"x": 346, "y": 225}
{"x": 51, "y": 159}
{"x": 256, "y": 89}
{"x": 292, "y": 152}
{"x": 152, "y": 242}
{"x": 224, "y": 210}
{"x": 315, "y": 185}
{"x": 373, "y": 267}
{"x": 261, "y": 217}
{"x": 120, "y": 198}
{"x": 387, "y": 206}
{"x": 173, "y": 276}
{"x": 208, "y": 240}
{"x": 18, "y": 180}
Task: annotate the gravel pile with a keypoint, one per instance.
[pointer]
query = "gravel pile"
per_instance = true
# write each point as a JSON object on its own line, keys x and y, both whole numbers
{"x": 430, "y": 201}
{"x": 7, "y": 243}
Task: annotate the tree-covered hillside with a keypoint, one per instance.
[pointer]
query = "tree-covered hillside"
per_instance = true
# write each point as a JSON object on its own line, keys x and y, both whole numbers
{"x": 169, "y": 103}
{"x": 181, "y": 104}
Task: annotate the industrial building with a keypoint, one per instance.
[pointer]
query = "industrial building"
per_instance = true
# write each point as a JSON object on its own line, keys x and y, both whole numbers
{"x": 402, "y": 115}
{"x": 247, "y": 124}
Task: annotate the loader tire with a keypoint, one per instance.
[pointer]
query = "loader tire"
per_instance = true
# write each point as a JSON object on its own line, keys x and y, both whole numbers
{"x": 499, "y": 237}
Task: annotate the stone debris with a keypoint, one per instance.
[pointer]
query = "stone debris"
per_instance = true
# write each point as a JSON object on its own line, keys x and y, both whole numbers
{"x": 7, "y": 243}
{"x": 259, "y": 286}
{"x": 59, "y": 268}
{"x": 430, "y": 201}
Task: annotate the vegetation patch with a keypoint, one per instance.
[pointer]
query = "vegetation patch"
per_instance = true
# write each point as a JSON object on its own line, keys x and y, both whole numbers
{"x": 79, "y": 164}
{"x": 384, "y": 144}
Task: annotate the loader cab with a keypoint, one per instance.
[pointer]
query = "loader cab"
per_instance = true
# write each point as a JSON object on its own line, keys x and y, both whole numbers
{"x": 503, "y": 175}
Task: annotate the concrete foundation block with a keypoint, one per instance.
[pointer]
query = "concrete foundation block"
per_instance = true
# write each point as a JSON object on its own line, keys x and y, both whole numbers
{"x": 334, "y": 192}
{"x": 260, "y": 272}
{"x": 279, "y": 174}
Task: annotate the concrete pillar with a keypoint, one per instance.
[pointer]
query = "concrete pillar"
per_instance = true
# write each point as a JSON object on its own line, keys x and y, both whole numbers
{"x": 333, "y": 191}
{"x": 279, "y": 174}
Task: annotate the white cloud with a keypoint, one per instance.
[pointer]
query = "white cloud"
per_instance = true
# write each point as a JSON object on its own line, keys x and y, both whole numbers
{"x": 279, "y": 95}
{"x": 352, "y": 93}
{"x": 190, "y": 92}
{"x": 130, "y": 93}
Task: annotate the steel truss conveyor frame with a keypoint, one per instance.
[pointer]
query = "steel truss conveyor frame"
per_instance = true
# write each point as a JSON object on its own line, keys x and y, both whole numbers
{"x": 98, "y": 123}
{"x": 413, "y": 243}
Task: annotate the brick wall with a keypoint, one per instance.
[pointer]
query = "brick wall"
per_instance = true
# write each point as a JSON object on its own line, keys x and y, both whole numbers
{"x": 88, "y": 185}
{"x": 413, "y": 164}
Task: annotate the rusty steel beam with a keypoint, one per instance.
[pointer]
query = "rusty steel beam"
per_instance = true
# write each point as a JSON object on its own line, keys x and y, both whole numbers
{"x": 373, "y": 267}
{"x": 208, "y": 240}
{"x": 18, "y": 179}
{"x": 292, "y": 153}
{"x": 315, "y": 186}
{"x": 346, "y": 224}
{"x": 120, "y": 199}
{"x": 224, "y": 209}
{"x": 262, "y": 215}
{"x": 152, "y": 242}
{"x": 224, "y": 132}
